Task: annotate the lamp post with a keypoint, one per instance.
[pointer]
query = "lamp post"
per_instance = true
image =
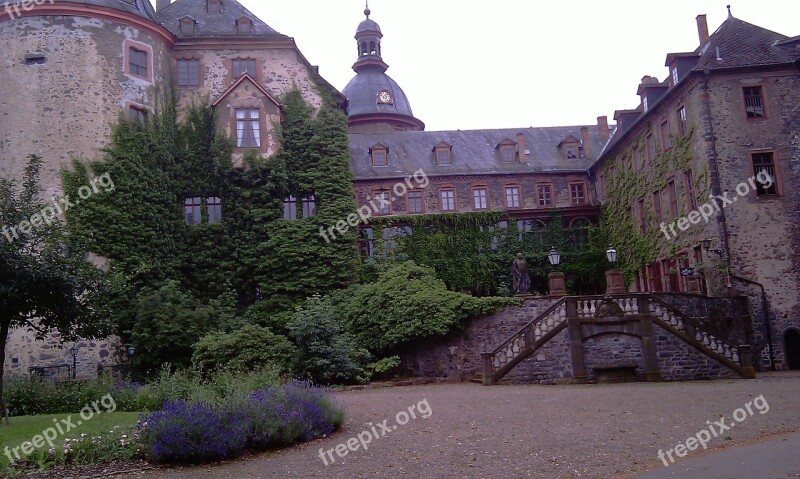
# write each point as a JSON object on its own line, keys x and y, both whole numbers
{"x": 131, "y": 350}
{"x": 615, "y": 280}
{"x": 74, "y": 351}
{"x": 556, "y": 279}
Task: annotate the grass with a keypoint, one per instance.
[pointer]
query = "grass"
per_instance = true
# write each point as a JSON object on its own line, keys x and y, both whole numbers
{"x": 24, "y": 428}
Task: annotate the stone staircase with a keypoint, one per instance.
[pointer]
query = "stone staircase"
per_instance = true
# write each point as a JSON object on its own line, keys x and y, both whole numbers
{"x": 633, "y": 314}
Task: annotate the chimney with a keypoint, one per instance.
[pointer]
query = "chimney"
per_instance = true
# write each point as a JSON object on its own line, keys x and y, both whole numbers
{"x": 702, "y": 29}
{"x": 521, "y": 146}
{"x": 161, "y": 4}
{"x": 587, "y": 152}
{"x": 602, "y": 127}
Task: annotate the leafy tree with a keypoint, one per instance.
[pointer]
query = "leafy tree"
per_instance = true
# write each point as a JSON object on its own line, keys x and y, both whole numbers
{"x": 406, "y": 303}
{"x": 45, "y": 283}
{"x": 247, "y": 349}
{"x": 328, "y": 353}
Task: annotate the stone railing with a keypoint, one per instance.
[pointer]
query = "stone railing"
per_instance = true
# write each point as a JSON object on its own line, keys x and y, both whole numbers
{"x": 516, "y": 348}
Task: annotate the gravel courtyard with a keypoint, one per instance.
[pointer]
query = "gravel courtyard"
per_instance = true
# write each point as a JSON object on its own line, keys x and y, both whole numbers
{"x": 592, "y": 431}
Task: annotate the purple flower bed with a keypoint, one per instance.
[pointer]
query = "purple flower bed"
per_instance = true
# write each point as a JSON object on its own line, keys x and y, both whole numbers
{"x": 271, "y": 417}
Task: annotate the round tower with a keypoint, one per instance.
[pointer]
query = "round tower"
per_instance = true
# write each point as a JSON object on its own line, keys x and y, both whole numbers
{"x": 67, "y": 71}
{"x": 375, "y": 102}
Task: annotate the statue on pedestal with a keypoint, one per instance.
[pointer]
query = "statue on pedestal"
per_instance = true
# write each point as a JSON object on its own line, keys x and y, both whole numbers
{"x": 520, "y": 270}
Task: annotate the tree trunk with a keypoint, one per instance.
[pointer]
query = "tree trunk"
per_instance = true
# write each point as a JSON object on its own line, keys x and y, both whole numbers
{"x": 3, "y": 338}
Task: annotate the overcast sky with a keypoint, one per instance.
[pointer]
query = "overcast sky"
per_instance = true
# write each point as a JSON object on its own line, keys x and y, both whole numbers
{"x": 468, "y": 64}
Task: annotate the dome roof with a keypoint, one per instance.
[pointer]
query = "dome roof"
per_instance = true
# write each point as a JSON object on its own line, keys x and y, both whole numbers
{"x": 368, "y": 26}
{"x": 362, "y": 95}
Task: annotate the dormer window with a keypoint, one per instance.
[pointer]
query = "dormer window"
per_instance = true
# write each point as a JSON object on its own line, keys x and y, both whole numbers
{"x": 645, "y": 105}
{"x": 571, "y": 148}
{"x": 244, "y": 26}
{"x": 507, "y": 150}
{"x": 675, "y": 76}
{"x": 187, "y": 26}
{"x": 572, "y": 152}
{"x": 214, "y": 6}
{"x": 443, "y": 152}
{"x": 380, "y": 155}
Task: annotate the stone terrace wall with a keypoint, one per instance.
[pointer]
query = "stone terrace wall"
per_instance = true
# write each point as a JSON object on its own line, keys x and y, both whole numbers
{"x": 728, "y": 318}
{"x": 680, "y": 362}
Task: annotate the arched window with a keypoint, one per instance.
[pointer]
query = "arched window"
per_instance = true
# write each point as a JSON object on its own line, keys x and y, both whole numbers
{"x": 372, "y": 50}
{"x": 579, "y": 232}
{"x": 364, "y": 50}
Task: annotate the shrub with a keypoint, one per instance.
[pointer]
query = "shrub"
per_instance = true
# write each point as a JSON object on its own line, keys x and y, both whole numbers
{"x": 328, "y": 354}
{"x": 196, "y": 432}
{"x": 244, "y": 350}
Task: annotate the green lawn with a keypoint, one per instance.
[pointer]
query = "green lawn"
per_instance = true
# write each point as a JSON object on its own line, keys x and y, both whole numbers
{"x": 25, "y": 428}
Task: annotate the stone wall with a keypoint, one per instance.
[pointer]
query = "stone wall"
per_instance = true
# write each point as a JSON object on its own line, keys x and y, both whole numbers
{"x": 24, "y": 351}
{"x": 728, "y": 318}
{"x": 459, "y": 356}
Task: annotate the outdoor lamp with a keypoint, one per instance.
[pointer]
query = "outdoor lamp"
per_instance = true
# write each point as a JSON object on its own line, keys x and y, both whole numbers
{"x": 706, "y": 244}
{"x": 611, "y": 254}
{"x": 74, "y": 351}
{"x": 554, "y": 257}
{"x": 131, "y": 350}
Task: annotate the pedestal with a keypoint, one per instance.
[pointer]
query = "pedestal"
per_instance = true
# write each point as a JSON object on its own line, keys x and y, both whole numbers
{"x": 615, "y": 282}
{"x": 693, "y": 284}
{"x": 557, "y": 286}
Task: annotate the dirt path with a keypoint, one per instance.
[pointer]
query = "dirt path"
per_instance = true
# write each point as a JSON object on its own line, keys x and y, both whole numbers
{"x": 593, "y": 431}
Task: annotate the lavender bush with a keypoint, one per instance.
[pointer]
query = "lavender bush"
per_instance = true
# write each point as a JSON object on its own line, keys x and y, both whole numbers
{"x": 267, "y": 418}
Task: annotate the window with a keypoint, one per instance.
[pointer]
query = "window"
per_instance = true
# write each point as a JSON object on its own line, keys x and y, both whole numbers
{"x": 572, "y": 152}
{"x": 191, "y": 210}
{"x": 240, "y": 66}
{"x": 579, "y": 232}
{"x": 415, "y": 204}
{"x": 683, "y": 263}
{"x": 763, "y": 165}
{"x": 512, "y": 197}
{"x": 244, "y": 26}
{"x": 448, "y": 198}
{"x": 379, "y": 157}
{"x": 675, "y": 77}
{"x": 545, "y": 195}
{"x": 611, "y": 177}
{"x": 442, "y": 156}
{"x": 137, "y": 114}
{"x": 691, "y": 196}
{"x": 666, "y": 141}
{"x": 188, "y": 72}
{"x": 654, "y": 277}
{"x": 214, "y": 208}
{"x": 667, "y": 272}
{"x": 382, "y": 202}
{"x": 577, "y": 193}
{"x": 507, "y": 153}
{"x": 309, "y": 206}
{"x": 636, "y": 163}
{"x": 290, "y": 208}
{"x": 754, "y": 102}
{"x": 657, "y": 206}
{"x": 187, "y": 26}
{"x": 137, "y": 62}
{"x": 672, "y": 192}
{"x": 651, "y": 148}
{"x": 214, "y": 6}
{"x": 642, "y": 217}
{"x": 248, "y": 128}
{"x": 645, "y": 104}
{"x": 683, "y": 121}
{"x": 481, "y": 197}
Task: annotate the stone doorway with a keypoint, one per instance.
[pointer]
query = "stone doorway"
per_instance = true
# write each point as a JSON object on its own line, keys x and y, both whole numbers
{"x": 791, "y": 341}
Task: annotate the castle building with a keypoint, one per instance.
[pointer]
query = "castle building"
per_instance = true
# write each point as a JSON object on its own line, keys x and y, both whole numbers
{"x": 705, "y": 170}
{"x": 529, "y": 173}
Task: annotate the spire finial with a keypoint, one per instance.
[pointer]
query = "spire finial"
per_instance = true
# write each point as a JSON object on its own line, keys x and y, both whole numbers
{"x": 730, "y": 15}
{"x": 367, "y": 11}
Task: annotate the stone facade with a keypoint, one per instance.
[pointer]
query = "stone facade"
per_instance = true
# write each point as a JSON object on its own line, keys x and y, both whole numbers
{"x": 459, "y": 356}
{"x": 756, "y": 235}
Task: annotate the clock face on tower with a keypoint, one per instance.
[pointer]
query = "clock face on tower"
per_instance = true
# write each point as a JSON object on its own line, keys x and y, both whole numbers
{"x": 384, "y": 97}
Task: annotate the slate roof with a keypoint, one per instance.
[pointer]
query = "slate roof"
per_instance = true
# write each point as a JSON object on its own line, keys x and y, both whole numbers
{"x": 362, "y": 94}
{"x": 473, "y": 152}
{"x": 142, "y": 8}
{"x": 213, "y": 24}
{"x": 743, "y": 44}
